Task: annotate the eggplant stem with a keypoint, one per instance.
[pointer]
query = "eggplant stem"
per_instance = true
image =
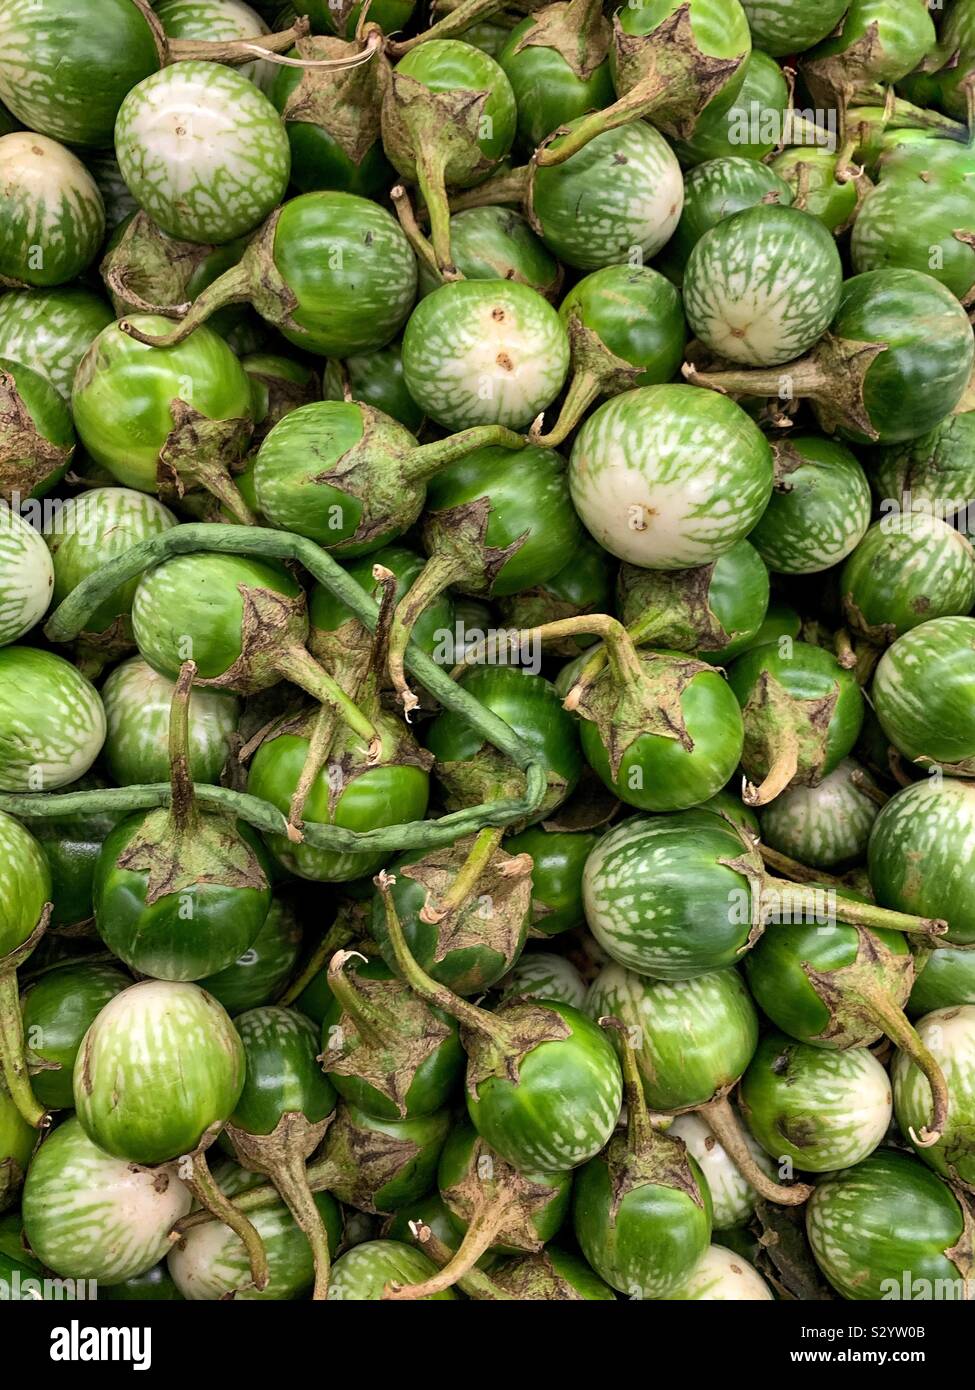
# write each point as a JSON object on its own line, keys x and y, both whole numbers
{"x": 204, "y": 1187}
{"x": 290, "y": 1177}
{"x": 183, "y": 812}
{"x": 478, "y": 1239}
{"x": 723, "y": 1122}
{"x": 784, "y": 767}
{"x": 322, "y": 738}
{"x": 801, "y": 873}
{"x": 422, "y": 248}
{"x": 296, "y": 664}
{"x": 584, "y": 388}
{"x": 437, "y": 575}
{"x": 233, "y": 287}
{"x": 894, "y": 1023}
{"x": 458, "y": 21}
{"x": 799, "y": 900}
{"x": 338, "y": 934}
{"x": 466, "y": 878}
{"x": 372, "y": 1020}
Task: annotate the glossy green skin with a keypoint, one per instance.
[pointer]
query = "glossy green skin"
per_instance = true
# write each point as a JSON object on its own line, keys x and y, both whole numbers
{"x": 548, "y": 92}
{"x": 318, "y": 161}
{"x": 531, "y": 707}
{"x": 257, "y": 976}
{"x": 434, "y": 1080}
{"x": 46, "y": 410}
{"x": 818, "y": 513}
{"x": 730, "y": 807}
{"x": 909, "y": 569}
{"x": 820, "y": 1108}
{"x": 52, "y": 723}
{"x": 784, "y": 27}
{"x": 496, "y": 243}
{"x": 713, "y": 191}
{"x": 558, "y": 859}
{"x": 948, "y": 84}
{"x": 719, "y": 27}
{"x": 919, "y": 856}
{"x": 351, "y": 270}
{"x": 826, "y": 826}
{"x": 905, "y": 33}
{"x": 66, "y": 71}
{"x": 89, "y": 1215}
{"x": 647, "y": 1245}
{"x": 529, "y": 501}
{"x": 377, "y": 379}
{"x": 924, "y": 692}
{"x": 418, "y": 1173}
{"x": 829, "y": 199}
{"x": 123, "y": 394}
{"x": 58, "y": 1009}
{"x": 50, "y": 331}
{"x": 544, "y": 975}
{"x": 52, "y": 207}
{"x": 806, "y": 673}
{"x": 101, "y": 525}
{"x": 326, "y": 18}
{"x": 693, "y": 910}
{"x": 212, "y": 1263}
{"x": 467, "y": 970}
{"x": 456, "y": 1162}
{"x": 71, "y": 847}
{"x": 446, "y": 66}
{"x": 267, "y": 369}
{"x": 780, "y": 621}
{"x": 380, "y": 795}
{"x": 748, "y": 124}
{"x": 933, "y": 473}
{"x": 658, "y": 773}
{"x": 433, "y": 1211}
{"x": 363, "y": 1272}
{"x": 911, "y": 217}
{"x": 301, "y": 447}
{"x": 283, "y": 1075}
{"x": 564, "y": 1105}
{"x": 183, "y": 935}
{"x": 159, "y": 1066}
{"x": 636, "y": 313}
{"x": 944, "y": 979}
{"x": 781, "y": 988}
{"x": 435, "y": 624}
{"x": 923, "y": 374}
{"x": 192, "y": 602}
{"x": 696, "y": 1037}
{"x": 621, "y": 191}
{"x": 137, "y": 706}
{"x": 883, "y": 1226}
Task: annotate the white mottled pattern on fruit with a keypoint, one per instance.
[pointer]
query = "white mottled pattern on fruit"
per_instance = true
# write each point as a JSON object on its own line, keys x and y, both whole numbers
{"x": 25, "y": 883}
{"x": 544, "y": 975}
{"x": 825, "y": 825}
{"x": 847, "y": 1099}
{"x": 52, "y": 722}
{"x": 137, "y": 703}
{"x": 97, "y": 526}
{"x": 211, "y": 1261}
{"x": 722, "y": 1275}
{"x": 931, "y": 825}
{"x": 903, "y": 694}
{"x": 665, "y": 481}
{"x": 217, "y": 21}
{"x": 52, "y": 218}
{"x": 760, "y": 290}
{"x": 949, "y": 1034}
{"x": 26, "y": 576}
{"x": 203, "y": 151}
{"x": 732, "y": 1195}
{"x": 819, "y": 524}
{"x": 48, "y": 336}
{"x": 498, "y": 355}
{"x": 555, "y": 1151}
{"x": 90, "y": 1216}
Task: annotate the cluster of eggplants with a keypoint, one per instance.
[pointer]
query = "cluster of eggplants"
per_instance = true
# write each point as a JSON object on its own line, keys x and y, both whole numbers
{"x": 487, "y": 649}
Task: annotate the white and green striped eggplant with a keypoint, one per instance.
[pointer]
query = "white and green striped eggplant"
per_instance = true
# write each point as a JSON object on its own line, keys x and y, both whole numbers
{"x": 619, "y": 196}
{"x": 204, "y": 152}
{"x": 544, "y": 975}
{"x": 670, "y": 477}
{"x": 137, "y": 702}
{"x": 910, "y": 568}
{"x": 888, "y": 1228}
{"x": 217, "y": 21}
{"x": 25, "y": 884}
{"x": 52, "y": 218}
{"x": 763, "y": 286}
{"x": 209, "y": 1262}
{"x": 949, "y": 1034}
{"x": 924, "y": 694}
{"x": 819, "y": 509}
{"x": 921, "y": 851}
{"x": 84, "y": 535}
{"x": 784, "y": 27}
{"x": 716, "y": 190}
{"x": 692, "y": 1038}
{"x": 49, "y": 331}
{"x": 817, "y": 1107}
{"x": 88, "y": 1215}
{"x": 732, "y": 1195}
{"x": 722, "y": 1275}
{"x": 484, "y": 352}
{"x": 662, "y": 896}
{"x": 26, "y": 576}
{"x": 827, "y": 825}
{"x": 161, "y": 1067}
{"x": 52, "y": 721}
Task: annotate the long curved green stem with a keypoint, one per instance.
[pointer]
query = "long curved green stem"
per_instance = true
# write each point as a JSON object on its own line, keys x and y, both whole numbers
{"x": 465, "y": 880}
{"x": 291, "y": 1180}
{"x": 437, "y": 575}
{"x": 337, "y": 936}
{"x": 723, "y": 1123}
{"x": 801, "y": 902}
{"x": 457, "y": 21}
{"x": 905, "y": 1036}
{"x": 203, "y": 1185}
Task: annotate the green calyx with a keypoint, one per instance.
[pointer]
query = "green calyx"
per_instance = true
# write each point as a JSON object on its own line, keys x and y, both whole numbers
{"x": 786, "y": 739}
{"x": 28, "y": 458}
